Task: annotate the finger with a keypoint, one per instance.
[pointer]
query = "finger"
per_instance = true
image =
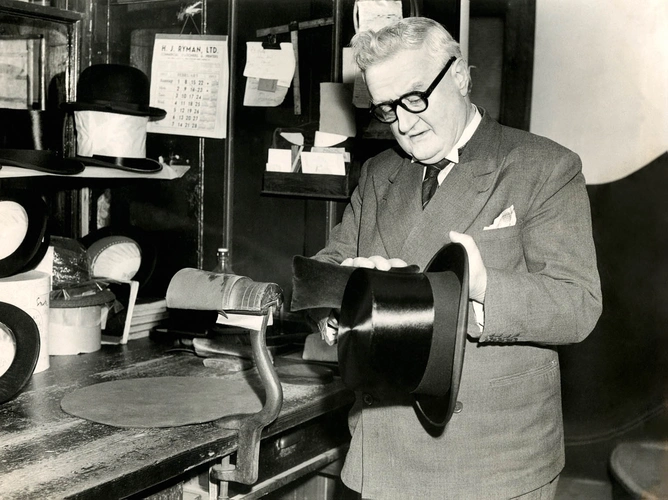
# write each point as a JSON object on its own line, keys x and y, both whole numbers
{"x": 381, "y": 263}
{"x": 347, "y": 262}
{"x": 363, "y": 262}
{"x": 397, "y": 263}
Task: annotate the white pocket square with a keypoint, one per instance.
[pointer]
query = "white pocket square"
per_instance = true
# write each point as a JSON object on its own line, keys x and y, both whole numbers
{"x": 507, "y": 218}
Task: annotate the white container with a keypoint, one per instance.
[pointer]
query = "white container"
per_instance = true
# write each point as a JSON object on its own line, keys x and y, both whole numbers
{"x": 75, "y": 330}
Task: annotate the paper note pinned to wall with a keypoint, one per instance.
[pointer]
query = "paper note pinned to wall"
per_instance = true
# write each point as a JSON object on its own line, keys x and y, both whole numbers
{"x": 336, "y": 110}
{"x": 270, "y": 64}
{"x": 254, "y": 95}
{"x": 375, "y": 14}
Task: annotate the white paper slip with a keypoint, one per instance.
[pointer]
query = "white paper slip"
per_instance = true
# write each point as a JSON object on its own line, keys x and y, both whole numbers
{"x": 270, "y": 64}
{"x": 255, "y": 96}
{"x": 279, "y": 160}
{"x": 323, "y": 163}
{"x": 248, "y": 321}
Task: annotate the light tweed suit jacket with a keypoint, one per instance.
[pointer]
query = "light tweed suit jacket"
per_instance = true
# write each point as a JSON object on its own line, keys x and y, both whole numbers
{"x": 543, "y": 289}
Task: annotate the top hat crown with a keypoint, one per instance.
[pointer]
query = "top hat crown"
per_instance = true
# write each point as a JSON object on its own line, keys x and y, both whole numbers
{"x": 114, "y": 88}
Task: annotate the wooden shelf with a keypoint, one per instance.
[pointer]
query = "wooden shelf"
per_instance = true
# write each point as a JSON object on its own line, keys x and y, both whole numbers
{"x": 322, "y": 186}
{"x": 36, "y": 11}
{"x": 168, "y": 172}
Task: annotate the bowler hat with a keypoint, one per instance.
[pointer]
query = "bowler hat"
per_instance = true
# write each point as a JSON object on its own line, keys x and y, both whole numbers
{"x": 36, "y": 240}
{"x": 114, "y": 88}
{"x": 405, "y": 333}
{"x": 33, "y": 139}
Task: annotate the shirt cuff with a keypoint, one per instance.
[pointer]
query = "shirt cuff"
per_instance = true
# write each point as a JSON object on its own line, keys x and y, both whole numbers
{"x": 479, "y": 310}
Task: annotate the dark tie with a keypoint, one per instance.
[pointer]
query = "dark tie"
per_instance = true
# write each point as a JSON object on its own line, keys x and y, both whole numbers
{"x": 430, "y": 182}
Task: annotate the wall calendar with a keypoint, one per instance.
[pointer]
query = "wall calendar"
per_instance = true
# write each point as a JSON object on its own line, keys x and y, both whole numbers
{"x": 190, "y": 80}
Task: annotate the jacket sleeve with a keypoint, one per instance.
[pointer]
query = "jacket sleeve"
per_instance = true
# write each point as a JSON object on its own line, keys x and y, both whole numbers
{"x": 558, "y": 301}
{"x": 344, "y": 237}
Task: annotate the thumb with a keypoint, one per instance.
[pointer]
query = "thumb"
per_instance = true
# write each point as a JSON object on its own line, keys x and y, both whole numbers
{"x": 477, "y": 269}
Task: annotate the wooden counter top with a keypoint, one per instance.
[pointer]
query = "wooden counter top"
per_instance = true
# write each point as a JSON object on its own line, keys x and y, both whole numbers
{"x": 46, "y": 453}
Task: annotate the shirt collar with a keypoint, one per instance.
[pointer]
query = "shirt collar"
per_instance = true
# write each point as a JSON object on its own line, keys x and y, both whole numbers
{"x": 469, "y": 130}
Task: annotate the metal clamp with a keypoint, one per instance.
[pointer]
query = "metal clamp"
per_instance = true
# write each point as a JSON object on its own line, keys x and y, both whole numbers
{"x": 248, "y": 452}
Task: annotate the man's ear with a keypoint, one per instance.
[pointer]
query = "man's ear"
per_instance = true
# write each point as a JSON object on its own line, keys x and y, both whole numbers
{"x": 462, "y": 76}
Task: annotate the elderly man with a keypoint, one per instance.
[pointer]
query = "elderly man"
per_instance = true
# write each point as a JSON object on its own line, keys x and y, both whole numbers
{"x": 518, "y": 204}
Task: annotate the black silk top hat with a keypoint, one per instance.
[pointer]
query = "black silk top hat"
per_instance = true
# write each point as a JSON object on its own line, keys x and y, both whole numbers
{"x": 405, "y": 333}
{"x": 114, "y": 88}
{"x": 33, "y": 139}
{"x": 35, "y": 242}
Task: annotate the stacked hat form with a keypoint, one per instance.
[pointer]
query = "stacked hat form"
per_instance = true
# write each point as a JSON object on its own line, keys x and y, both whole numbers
{"x": 404, "y": 333}
{"x": 23, "y": 243}
{"x": 32, "y": 139}
{"x": 111, "y": 113}
{"x": 24, "y": 239}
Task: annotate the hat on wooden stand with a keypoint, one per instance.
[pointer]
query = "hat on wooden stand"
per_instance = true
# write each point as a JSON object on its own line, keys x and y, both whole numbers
{"x": 111, "y": 113}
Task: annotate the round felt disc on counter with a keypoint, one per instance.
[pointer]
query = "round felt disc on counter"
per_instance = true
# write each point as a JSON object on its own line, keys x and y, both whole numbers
{"x": 162, "y": 401}
{"x": 304, "y": 374}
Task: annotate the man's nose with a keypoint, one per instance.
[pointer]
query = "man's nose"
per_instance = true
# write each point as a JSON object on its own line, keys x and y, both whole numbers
{"x": 405, "y": 120}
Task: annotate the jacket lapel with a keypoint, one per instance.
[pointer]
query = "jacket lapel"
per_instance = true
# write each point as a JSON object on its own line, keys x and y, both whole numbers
{"x": 398, "y": 207}
{"x": 415, "y": 235}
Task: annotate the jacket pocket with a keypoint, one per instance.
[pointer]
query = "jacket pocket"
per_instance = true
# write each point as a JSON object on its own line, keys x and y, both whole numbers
{"x": 532, "y": 373}
{"x": 536, "y": 391}
{"x": 501, "y": 248}
{"x": 500, "y": 233}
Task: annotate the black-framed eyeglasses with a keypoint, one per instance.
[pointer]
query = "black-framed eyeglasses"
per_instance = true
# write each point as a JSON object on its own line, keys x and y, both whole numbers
{"x": 413, "y": 102}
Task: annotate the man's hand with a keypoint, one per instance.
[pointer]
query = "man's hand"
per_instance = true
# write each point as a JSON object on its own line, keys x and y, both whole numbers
{"x": 477, "y": 269}
{"x": 374, "y": 262}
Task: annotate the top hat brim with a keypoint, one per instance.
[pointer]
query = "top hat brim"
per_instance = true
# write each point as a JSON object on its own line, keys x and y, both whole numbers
{"x": 137, "y": 165}
{"x": 147, "y": 247}
{"x": 40, "y": 160}
{"x": 34, "y": 241}
{"x": 446, "y": 358}
{"x": 26, "y": 338}
{"x": 405, "y": 333}
{"x": 117, "y": 108}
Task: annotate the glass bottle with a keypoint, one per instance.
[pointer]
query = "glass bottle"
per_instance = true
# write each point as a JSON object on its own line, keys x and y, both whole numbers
{"x": 224, "y": 265}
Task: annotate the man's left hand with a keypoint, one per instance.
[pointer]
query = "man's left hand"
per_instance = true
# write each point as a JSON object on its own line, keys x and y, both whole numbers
{"x": 374, "y": 262}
